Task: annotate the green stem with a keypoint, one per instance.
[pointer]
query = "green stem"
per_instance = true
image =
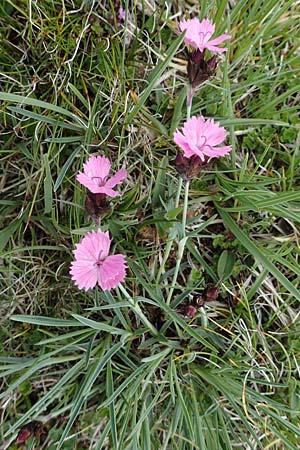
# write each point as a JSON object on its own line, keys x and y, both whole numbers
{"x": 185, "y": 206}
{"x": 138, "y": 311}
{"x": 172, "y": 236}
{"x": 189, "y": 101}
{"x": 181, "y": 244}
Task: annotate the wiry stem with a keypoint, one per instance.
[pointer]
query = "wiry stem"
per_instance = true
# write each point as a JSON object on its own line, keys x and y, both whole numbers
{"x": 138, "y": 311}
{"x": 172, "y": 236}
{"x": 181, "y": 244}
{"x": 189, "y": 101}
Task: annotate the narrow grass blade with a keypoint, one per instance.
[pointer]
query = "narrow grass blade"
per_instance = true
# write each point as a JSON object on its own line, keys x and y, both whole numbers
{"x": 65, "y": 168}
{"x": 14, "y": 98}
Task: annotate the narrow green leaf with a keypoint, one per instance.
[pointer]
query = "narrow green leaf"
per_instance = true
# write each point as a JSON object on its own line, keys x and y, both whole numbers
{"x": 41, "y": 118}
{"x": 65, "y": 168}
{"x": 177, "y": 113}
{"x": 45, "y": 321}
{"x": 112, "y": 415}
{"x": 225, "y": 265}
{"x": 14, "y": 98}
{"x": 47, "y": 187}
{"x": 7, "y": 232}
{"x": 99, "y": 325}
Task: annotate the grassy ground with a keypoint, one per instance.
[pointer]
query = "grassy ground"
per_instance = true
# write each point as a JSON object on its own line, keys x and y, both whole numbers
{"x": 84, "y": 370}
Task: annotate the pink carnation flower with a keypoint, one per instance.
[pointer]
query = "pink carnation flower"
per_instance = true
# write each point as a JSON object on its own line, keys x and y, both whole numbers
{"x": 198, "y": 35}
{"x": 200, "y": 137}
{"x": 93, "y": 264}
{"x": 122, "y": 13}
{"x": 95, "y": 176}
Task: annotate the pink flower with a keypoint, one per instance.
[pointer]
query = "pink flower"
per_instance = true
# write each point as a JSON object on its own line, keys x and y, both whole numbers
{"x": 198, "y": 35}
{"x": 94, "y": 265}
{"x": 122, "y": 13}
{"x": 200, "y": 138}
{"x": 95, "y": 176}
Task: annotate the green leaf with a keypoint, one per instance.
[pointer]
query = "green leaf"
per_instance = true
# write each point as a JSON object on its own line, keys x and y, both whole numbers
{"x": 99, "y": 325}
{"x": 65, "y": 168}
{"x": 45, "y": 321}
{"x": 40, "y": 104}
{"x": 47, "y": 187}
{"x": 225, "y": 265}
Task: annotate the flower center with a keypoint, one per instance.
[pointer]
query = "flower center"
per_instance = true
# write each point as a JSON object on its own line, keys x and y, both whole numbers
{"x": 99, "y": 261}
{"x": 204, "y": 37}
{"x": 99, "y": 181}
{"x": 201, "y": 142}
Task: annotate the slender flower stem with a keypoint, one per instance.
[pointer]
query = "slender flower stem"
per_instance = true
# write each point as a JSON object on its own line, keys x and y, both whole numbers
{"x": 185, "y": 206}
{"x": 178, "y": 192}
{"x": 189, "y": 100}
{"x": 181, "y": 244}
{"x": 172, "y": 236}
{"x": 138, "y": 311}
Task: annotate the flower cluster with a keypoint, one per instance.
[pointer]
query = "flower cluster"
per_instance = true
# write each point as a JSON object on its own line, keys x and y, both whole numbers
{"x": 198, "y": 35}
{"x": 199, "y": 139}
{"x": 93, "y": 265}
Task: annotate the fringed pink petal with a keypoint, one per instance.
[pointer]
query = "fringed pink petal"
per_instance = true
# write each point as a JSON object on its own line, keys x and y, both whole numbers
{"x": 112, "y": 272}
{"x": 117, "y": 178}
{"x": 216, "y": 152}
{"x": 97, "y": 166}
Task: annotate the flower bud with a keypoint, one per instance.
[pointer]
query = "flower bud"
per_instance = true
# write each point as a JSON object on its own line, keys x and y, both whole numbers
{"x": 96, "y": 205}
{"x": 189, "y": 311}
{"x": 198, "y": 69}
{"x": 188, "y": 167}
{"x": 212, "y": 294}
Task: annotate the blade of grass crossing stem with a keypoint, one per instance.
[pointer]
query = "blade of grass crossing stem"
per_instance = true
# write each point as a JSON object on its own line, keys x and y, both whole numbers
{"x": 79, "y": 95}
{"x": 103, "y": 437}
{"x": 154, "y": 76}
{"x": 223, "y": 385}
{"x": 112, "y": 415}
{"x": 126, "y": 418}
{"x": 257, "y": 254}
{"x": 175, "y": 416}
{"x": 198, "y": 425}
{"x": 223, "y": 427}
{"x": 177, "y": 114}
{"x": 86, "y": 386}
